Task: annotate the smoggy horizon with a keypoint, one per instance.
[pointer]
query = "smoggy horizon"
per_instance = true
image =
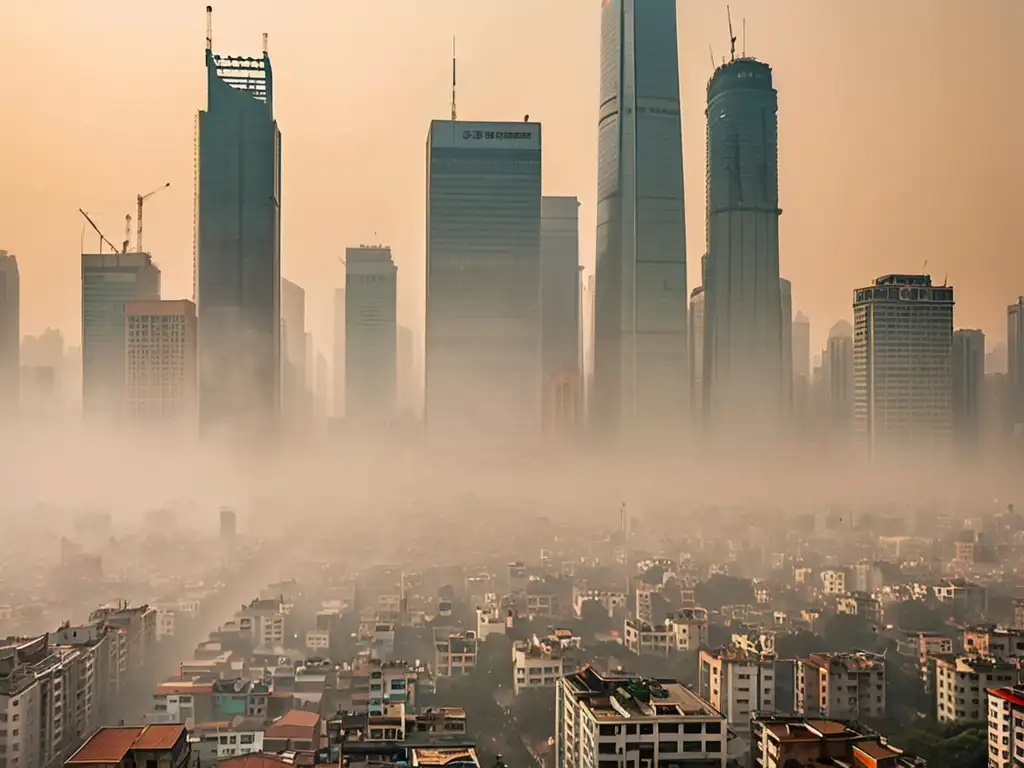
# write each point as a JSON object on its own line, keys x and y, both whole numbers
{"x": 896, "y": 135}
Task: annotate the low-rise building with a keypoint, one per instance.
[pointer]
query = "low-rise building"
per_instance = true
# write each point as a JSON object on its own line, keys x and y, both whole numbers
{"x": 999, "y": 642}
{"x": 540, "y": 662}
{"x": 624, "y": 717}
{"x": 215, "y": 741}
{"x": 860, "y": 604}
{"x": 780, "y": 742}
{"x": 962, "y": 683}
{"x": 166, "y": 746}
{"x": 841, "y": 686}
{"x": 455, "y": 652}
{"x": 833, "y": 582}
{"x": 737, "y": 683}
{"x": 683, "y": 630}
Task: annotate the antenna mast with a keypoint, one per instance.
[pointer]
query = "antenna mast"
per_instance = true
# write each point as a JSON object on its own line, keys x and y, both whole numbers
{"x": 209, "y": 27}
{"x": 732, "y": 37}
{"x": 712, "y": 56}
{"x": 744, "y": 53}
{"x": 453, "y": 81}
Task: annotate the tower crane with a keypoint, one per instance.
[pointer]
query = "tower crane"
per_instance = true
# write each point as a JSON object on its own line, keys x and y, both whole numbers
{"x": 127, "y": 232}
{"x": 138, "y": 217}
{"x": 103, "y": 238}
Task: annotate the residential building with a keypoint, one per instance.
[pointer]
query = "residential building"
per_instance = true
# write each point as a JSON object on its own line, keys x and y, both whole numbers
{"x": 738, "y": 684}
{"x": 238, "y": 244}
{"x": 970, "y": 598}
{"x": 454, "y": 652}
{"x": 371, "y": 335}
{"x": 683, "y": 630}
{"x": 373, "y": 684}
{"x": 263, "y": 620}
{"x": 10, "y": 333}
{"x": 138, "y": 623}
{"x": 1005, "y": 727}
{"x": 483, "y": 315}
{"x": 962, "y": 683}
{"x": 968, "y": 386}
{"x": 215, "y": 741}
{"x": 161, "y": 374}
{"x": 780, "y": 741}
{"x": 903, "y": 365}
{"x": 860, "y": 604}
{"x": 296, "y": 729}
{"x": 843, "y": 686}
{"x": 745, "y": 339}
{"x": 109, "y": 282}
{"x": 166, "y": 746}
{"x": 632, "y": 718}
{"x": 833, "y": 582}
{"x": 640, "y": 359}
{"x": 541, "y": 662}
{"x": 1004, "y": 643}
{"x": 561, "y": 289}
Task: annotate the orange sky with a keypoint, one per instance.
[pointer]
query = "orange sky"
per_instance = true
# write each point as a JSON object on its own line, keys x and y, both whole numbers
{"x": 900, "y": 124}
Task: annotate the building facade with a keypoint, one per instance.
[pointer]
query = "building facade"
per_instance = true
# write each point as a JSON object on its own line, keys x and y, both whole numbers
{"x": 738, "y": 684}
{"x": 903, "y": 365}
{"x": 371, "y": 335}
{"x": 483, "y": 316}
{"x": 1015, "y": 363}
{"x": 109, "y": 282}
{"x": 161, "y": 375}
{"x": 560, "y": 288}
{"x": 640, "y": 358}
{"x": 842, "y": 686}
{"x": 839, "y": 376}
{"x": 746, "y": 334}
{"x": 10, "y": 333}
{"x": 968, "y": 386}
{"x": 238, "y": 245}
{"x": 293, "y": 351}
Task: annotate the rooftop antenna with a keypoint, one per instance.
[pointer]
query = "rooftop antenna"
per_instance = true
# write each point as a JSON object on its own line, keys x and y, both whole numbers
{"x": 453, "y": 80}
{"x": 743, "y": 54}
{"x": 924, "y": 267}
{"x": 732, "y": 37}
{"x": 209, "y": 27}
{"x": 710, "y": 51}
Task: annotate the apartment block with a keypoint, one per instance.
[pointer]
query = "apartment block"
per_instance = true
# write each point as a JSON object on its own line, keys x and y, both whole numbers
{"x": 541, "y": 662}
{"x": 841, "y": 686}
{"x": 1005, "y": 727}
{"x": 738, "y": 684}
{"x": 683, "y": 630}
{"x": 962, "y": 683}
{"x": 780, "y": 742}
{"x": 455, "y": 652}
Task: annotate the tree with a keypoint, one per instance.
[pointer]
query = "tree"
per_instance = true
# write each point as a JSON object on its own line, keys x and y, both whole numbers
{"x": 957, "y": 746}
{"x": 919, "y": 616}
{"x": 843, "y": 632}
{"x": 722, "y": 590}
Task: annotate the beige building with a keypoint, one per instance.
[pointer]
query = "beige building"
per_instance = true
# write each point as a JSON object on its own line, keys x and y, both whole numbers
{"x": 962, "y": 683}
{"x": 781, "y": 741}
{"x": 454, "y": 652}
{"x": 738, "y": 684}
{"x": 540, "y": 661}
{"x": 1005, "y": 727}
{"x": 683, "y": 630}
{"x": 841, "y": 686}
{"x": 161, "y": 373}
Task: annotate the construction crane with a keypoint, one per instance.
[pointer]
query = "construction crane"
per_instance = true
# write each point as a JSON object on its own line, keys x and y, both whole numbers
{"x": 138, "y": 217}
{"x": 732, "y": 37}
{"x": 103, "y": 238}
{"x": 127, "y": 232}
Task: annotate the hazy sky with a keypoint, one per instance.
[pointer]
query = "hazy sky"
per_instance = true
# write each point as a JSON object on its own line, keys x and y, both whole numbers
{"x": 900, "y": 126}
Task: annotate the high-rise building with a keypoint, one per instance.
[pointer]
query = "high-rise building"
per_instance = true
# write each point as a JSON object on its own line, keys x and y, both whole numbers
{"x": 42, "y": 374}
{"x": 746, "y": 377}
{"x": 109, "y": 281}
{"x": 293, "y": 350}
{"x": 238, "y": 244}
{"x": 786, "y": 328}
{"x": 161, "y": 374}
{"x": 483, "y": 315}
{"x": 371, "y": 331}
{"x": 1015, "y": 362}
{"x": 321, "y": 393}
{"x": 838, "y": 358}
{"x": 560, "y": 291}
{"x": 801, "y": 336}
{"x": 738, "y": 683}
{"x": 228, "y": 524}
{"x": 968, "y": 385}
{"x": 902, "y": 364}
{"x": 696, "y": 347}
{"x": 10, "y": 333}
{"x": 338, "y": 389}
{"x": 406, "y": 370}
{"x": 640, "y": 358}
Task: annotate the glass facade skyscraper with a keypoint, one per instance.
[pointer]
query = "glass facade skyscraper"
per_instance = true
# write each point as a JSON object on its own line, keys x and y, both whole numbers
{"x": 745, "y": 339}
{"x": 371, "y": 335}
{"x": 560, "y": 301}
{"x": 238, "y": 244}
{"x": 483, "y": 315}
{"x": 640, "y": 345}
{"x": 10, "y": 333}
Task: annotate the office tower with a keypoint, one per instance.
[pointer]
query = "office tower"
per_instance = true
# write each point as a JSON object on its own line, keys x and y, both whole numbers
{"x": 640, "y": 358}
{"x": 228, "y": 524}
{"x": 293, "y": 350}
{"x": 838, "y": 359}
{"x": 801, "y": 336}
{"x": 696, "y": 347}
{"x": 109, "y": 281}
{"x": 560, "y": 290}
{"x": 406, "y": 347}
{"x": 995, "y": 358}
{"x": 746, "y": 377}
{"x": 968, "y": 385}
{"x": 371, "y": 295}
{"x": 902, "y": 364}
{"x": 238, "y": 244}
{"x": 161, "y": 372}
{"x": 339, "y": 353}
{"x": 591, "y": 336}
{"x": 483, "y": 318}
{"x": 1015, "y": 363}
{"x": 786, "y": 329}
{"x": 10, "y": 333}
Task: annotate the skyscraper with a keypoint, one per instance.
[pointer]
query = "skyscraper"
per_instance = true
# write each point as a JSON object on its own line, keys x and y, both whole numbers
{"x": 10, "y": 333}
{"x": 696, "y": 346}
{"x": 238, "y": 244}
{"x": 838, "y": 358}
{"x": 903, "y": 364}
{"x": 801, "y": 347}
{"x": 161, "y": 377}
{"x": 293, "y": 350}
{"x": 640, "y": 358}
{"x": 560, "y": 302}
{"x": 338, "y": 390}
{"x": 109, "y": 281}
{"x": 1015, "y": 362}
{"x": 483, "y": 318}
{"x": 786, "y": 328}
{"x": 746, "y": 377}
{"x": 371, "y": 331}
{"x": 968, "y": 386}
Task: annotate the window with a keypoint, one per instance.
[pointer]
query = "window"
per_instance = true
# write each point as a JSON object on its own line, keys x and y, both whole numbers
{"x": 693, "y": 746}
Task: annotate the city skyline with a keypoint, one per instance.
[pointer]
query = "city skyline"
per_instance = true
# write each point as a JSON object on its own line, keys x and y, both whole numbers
{"x": 567, "y": 117}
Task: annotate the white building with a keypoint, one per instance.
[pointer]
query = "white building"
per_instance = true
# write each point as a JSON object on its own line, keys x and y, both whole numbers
{"x": 455, "y": 652}
{"x": 1005, "y": 727}
{"x": 684, "y": 630}
{"x": 737, "y": 683}
{"x": 541, "y": 662}
{"x": 833, "y": 582}
{"x": 491, "y": 621}
{"x": 962, "y": 683}
{"x": 610, "y": 601}
{"x": 161, "y": 373}
{"x": 263, "y": 620}
{"x": 902, "y": 364}
{"x": 841, "y": 686}
{"x": 633, "y": 720}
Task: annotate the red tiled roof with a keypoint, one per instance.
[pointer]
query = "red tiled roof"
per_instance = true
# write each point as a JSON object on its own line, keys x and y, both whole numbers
{"x": 256, "y": 760}
{"x": 154, "y": 737}
{"x": 110, "y": 745}
{"x": 1007, "y": 694}
{"x": 293, "y": 724}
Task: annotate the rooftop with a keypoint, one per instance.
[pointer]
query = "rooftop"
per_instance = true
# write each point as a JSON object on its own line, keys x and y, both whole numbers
{"x": 853, "y": 662}
{"x": 110, "y": 745}
{"x": 433, "y": 756}
{"x": 624, "y": 695}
